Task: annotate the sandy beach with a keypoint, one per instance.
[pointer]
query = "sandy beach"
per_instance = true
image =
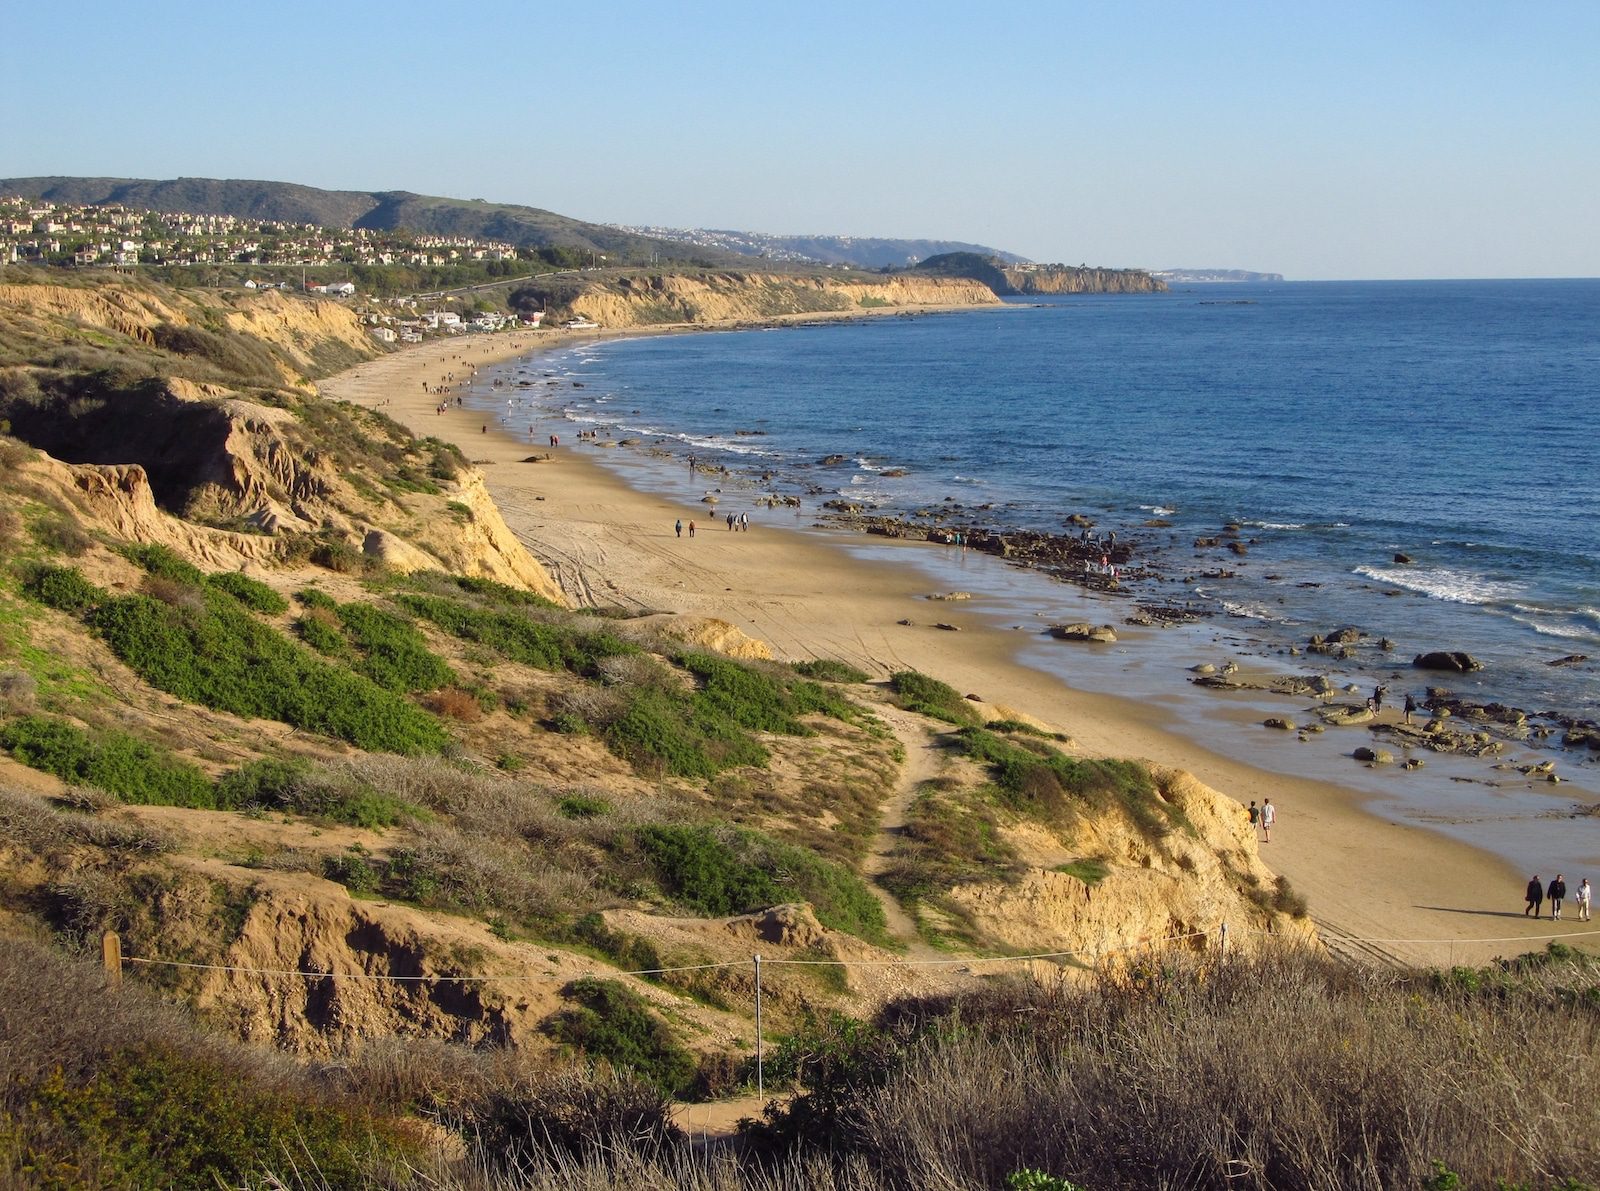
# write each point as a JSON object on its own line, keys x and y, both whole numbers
{"x": 1376, "y": 887}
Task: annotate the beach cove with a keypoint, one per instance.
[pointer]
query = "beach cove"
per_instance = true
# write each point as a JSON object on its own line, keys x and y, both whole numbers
{"x": 1369, "y": 874}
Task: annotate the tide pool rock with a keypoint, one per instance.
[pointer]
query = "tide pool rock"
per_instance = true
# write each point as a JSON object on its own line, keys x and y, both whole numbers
{"x": 1083, "y": 631}
{"x": 1453, "y": 660}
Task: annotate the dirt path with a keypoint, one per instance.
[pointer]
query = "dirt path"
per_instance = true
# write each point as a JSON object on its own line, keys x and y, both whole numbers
{"x": 923, "y": 762}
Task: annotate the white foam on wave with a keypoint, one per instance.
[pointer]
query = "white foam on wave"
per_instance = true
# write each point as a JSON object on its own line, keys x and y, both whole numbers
{"x": 1277, "y": 524}
{"x": 1442, "y": 583}
{"x": 1157, "y": 510}
{"x": 1252, "y": 612}
{"x": 1548, "y": 628}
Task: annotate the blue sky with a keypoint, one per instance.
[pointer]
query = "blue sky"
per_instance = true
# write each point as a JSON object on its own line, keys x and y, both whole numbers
{"x": 1317, "y": 140}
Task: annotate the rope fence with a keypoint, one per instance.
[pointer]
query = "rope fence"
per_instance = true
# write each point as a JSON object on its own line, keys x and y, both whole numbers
{"x": 113, "y": 960}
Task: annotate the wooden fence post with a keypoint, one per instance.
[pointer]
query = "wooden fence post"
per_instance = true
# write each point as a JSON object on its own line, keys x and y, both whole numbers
{"x": 111, "y": 957}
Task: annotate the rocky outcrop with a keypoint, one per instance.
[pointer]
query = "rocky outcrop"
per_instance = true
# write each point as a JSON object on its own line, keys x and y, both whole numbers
{"x": 118, "y": 501}
{"x": 1082, "y": 631}
{"x": 1179, "y": 893}
{"x": 1450, "y": 660}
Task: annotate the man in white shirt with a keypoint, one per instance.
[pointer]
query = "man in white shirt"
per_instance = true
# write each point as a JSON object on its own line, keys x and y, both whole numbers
{"x": 1269, "y": 815}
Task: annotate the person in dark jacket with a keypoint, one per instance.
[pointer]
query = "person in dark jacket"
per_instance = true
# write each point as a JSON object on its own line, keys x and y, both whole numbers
{"x": 1556, "y": 892}
{"x": 1535, "y": 897}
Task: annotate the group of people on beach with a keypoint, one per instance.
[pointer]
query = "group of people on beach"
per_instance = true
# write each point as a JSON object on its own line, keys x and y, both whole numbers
{"x": 1262, "y": 817}
{"x": 1556, "y": 893}
{"x": 737, "y": 522}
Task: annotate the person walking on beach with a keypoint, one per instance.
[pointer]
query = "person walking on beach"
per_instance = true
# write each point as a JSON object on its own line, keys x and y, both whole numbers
{"x": 1411, "y": 705}
{"x": 678, "y": 527}
{"x": 730, "y": 522}
{"x": 691, "y": 527}
{"x": 1269, "y": 815}
{"x": 744, "y": 522}
{"x": 1535, "y": 896}
{"x": 1582, "y": 898}
{"x": 1255, "y": 816}
{"x": 1556, "y": 894}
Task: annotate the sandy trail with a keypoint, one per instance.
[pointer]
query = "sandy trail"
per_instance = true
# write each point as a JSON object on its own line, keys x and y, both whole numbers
{"x": 1418, "y": 896}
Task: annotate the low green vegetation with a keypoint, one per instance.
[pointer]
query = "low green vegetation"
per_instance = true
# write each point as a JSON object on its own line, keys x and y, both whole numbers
{"x": 718, "y": 871}
{"x": 609, "y": 1021}
{"x": 930, "y": 697}
{"x": 303, "y": 789}
{"x": 1090, "y": 871}
{"x": 951, "y": 836}
{"x": 1034, "y": 778}
{"x": 115, "y": 762}
{"x": 205, "y": 648}
{"x": 830, "y": 670}
{"x": 252, "y": 593}
{"x": 519, "y": 638}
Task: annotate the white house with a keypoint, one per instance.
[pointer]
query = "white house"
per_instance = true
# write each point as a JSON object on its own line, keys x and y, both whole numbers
{"x": 382, "y": 334}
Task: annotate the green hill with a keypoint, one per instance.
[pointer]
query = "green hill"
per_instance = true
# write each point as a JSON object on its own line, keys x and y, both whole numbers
{"x": 380, "y": 210}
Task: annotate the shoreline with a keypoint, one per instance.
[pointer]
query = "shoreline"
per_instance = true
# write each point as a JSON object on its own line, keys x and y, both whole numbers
{"x": 1366, "y": 875}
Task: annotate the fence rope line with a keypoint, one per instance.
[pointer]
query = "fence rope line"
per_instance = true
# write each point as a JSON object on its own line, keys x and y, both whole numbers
{"x": 1098, "y": 952}
{"x": 175, "y": 963}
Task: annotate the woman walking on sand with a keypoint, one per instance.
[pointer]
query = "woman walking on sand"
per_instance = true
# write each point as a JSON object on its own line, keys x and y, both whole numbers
{"x": 1582, "y": 898}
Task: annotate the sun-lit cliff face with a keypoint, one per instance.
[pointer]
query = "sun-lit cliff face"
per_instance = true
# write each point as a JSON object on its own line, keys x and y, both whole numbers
{"x": 729, "y": 297}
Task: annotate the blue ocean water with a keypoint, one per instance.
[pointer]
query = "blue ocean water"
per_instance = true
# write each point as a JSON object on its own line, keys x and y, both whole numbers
{"x": 1337, "y": 423}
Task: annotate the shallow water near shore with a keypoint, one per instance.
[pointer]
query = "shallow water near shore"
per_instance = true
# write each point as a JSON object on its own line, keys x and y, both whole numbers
{"x": 1336, "y": 424}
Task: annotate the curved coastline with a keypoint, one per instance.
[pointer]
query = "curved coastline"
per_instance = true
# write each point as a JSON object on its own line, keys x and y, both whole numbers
{"x": 1423, "y": 896}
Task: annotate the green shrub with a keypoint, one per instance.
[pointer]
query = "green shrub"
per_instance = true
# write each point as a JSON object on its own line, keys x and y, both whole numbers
{"x": 661, "y": 729}
{"x": 583, "y": 806}
{"x": 518, "y": 638}
{"x": 719, "y": 872}
{"x": 613, "y": 1023}
{"x": 1037, "y": 779}
{"x": 296, "y": 786}
{"x": 113, "y": 761}
{"x": 757, "y": 699}
{"x": 323, "y": 637}
{"x": 165, "y": 563}
{"x": 63, "y": 588}
{"x": 1089, "y": 871}
{"x": 252, "y": 593}
{"x": 312, "y": 598}
{"x": 501, "y": 593}
{"x": 153, "y": 1116}
{"x": 629, "y": 952}
{"x": 394, "y": 654}
{"x": 222, "y": 657}
{"x": 829, "y": 670}
{"x": 930, "y": 697}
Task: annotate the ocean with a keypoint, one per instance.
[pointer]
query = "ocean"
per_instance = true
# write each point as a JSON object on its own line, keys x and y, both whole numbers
{"x": 1337, "y": 424}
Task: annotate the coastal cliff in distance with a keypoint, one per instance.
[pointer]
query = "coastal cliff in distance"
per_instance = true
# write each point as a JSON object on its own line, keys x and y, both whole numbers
{"x": 658, "y": 299}
{"x": 1212, "y": 276}
{"x": 1068, "y": 279}
{"x": 1009, "y": 280}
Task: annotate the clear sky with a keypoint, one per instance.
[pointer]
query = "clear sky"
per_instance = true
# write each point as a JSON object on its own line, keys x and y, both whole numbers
{"x": 1319, "y": 140}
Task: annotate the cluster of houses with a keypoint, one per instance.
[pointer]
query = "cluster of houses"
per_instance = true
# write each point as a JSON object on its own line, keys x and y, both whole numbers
{"x": 413, "y": 328}
{"x": 34, "y": 231}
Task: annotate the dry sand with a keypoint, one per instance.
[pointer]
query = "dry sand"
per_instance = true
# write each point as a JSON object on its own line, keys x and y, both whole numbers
{"x": 1376, "y": 887}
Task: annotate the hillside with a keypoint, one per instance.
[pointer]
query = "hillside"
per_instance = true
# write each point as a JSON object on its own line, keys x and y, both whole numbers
{"x": 861, "y": 252}
{"x": 510, "y": 222}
